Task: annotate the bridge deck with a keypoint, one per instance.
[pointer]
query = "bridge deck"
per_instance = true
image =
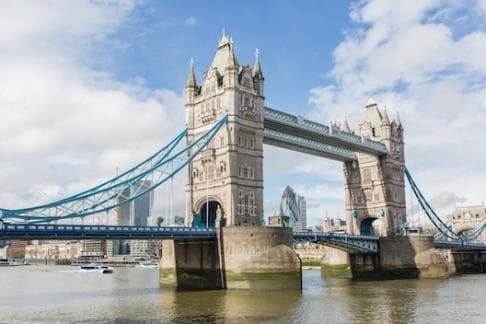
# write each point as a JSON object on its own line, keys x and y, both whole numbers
{"x": 67, "y": 232}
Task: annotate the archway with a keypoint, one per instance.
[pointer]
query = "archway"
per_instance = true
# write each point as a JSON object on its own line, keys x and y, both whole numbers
{"x": 208, "y": 214}
{"x": 366, "y": 227}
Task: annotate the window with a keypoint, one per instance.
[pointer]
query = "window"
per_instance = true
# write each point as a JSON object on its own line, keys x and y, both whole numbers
{"x": 366, "y": 175}
{"x": 240, "y": 194}
{"x": 252, "y": 195}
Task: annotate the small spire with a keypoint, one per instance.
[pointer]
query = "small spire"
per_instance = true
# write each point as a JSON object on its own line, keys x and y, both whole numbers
{"x": 398, "y": 121}
{"x": 385, "y": 121}
{"x": 371, "y": 102}
{"x": 257, "y": 69}
{"x": 224, "y": 40}
{"x": 346, "y": 127}
{"x": 191, "y": 78}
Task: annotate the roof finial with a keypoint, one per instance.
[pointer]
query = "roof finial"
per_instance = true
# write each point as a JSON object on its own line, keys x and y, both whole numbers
{"x": 191, "y": 78}
{"x": 257, "y": 69}
{"x": 224, "y": 32}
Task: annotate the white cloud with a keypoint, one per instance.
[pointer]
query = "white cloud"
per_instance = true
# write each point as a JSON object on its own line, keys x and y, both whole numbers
{"x": 64, "y": 125}
{"x": 190, "y": 21}
{"x": 414, "y": 57}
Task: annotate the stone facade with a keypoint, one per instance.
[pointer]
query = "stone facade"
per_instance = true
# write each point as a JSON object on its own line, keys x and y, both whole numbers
{"x": 375, "y": 186}
{"x": 229, "y": 173}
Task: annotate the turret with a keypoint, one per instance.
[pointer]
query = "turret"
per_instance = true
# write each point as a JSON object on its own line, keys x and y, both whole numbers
{"x": 191, "y": 84}
{"x": 258, "y": 74}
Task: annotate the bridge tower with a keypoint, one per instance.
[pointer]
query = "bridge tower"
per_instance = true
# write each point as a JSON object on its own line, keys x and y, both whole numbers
{"x": 226, "y": 179}
{"x": 375, "y": 186}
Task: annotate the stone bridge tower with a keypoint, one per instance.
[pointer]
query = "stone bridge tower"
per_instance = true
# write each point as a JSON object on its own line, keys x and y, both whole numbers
{"x": 374, "y": 186}
{"x": 226, "y": 179}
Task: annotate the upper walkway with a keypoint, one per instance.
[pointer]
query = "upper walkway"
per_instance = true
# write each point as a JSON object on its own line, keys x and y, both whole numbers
{"x": 299, "y": 134}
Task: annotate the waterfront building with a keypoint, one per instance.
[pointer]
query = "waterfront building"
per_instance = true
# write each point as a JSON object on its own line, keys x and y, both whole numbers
{"x": 93, "y": 248}
{"x": 294, "y": 206}
{"x": 53, "y": 250}
{"x": 16, "y": 249}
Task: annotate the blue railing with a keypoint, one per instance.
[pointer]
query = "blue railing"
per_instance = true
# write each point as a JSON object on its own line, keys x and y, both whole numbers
{"x": 351, "y": 243}
{"x": 52, "y": 232}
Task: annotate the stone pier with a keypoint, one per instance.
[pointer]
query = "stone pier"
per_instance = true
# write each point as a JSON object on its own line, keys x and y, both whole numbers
{"x": 400, "y": 257}
{"x": 250, "y": 257}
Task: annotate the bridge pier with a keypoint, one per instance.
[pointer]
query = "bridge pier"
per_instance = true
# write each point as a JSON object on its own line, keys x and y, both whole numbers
{"x": 335, "y": 263}
{"x": 399, "y": 257}
{"x": 243, "y": 257}
{"x": 466, "y": 261}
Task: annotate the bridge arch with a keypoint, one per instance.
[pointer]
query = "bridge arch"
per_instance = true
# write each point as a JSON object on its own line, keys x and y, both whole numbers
{"x": 206, "y": 211}
{"x": 366, "y": 226}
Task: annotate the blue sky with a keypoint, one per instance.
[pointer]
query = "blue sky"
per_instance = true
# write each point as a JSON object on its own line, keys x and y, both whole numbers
{"x": 295, "y": 39}
{"x": 87, "y": 86}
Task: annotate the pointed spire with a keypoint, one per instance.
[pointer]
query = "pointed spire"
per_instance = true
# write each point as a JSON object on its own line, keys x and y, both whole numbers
{"x": 385, "y": 121}
{"x": 346, "y": 127}
{"x": 257, "y": 69}
{"x": 371, "y": 102}
{"x": 224, "y": 39}
{"x": 191, "y": 78}
{"x": 398, "y": 121}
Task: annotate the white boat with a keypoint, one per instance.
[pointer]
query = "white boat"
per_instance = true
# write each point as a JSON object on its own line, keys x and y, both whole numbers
{"x": 148, "y": 265}
{"x": 95, "y": 268}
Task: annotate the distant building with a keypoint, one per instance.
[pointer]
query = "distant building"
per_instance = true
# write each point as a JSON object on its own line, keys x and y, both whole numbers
{"x": 135, "y": 213}
{"x": 294, "y": 206}
{"x": 92, "y": 249}
{"x": 279, "y": 221}
{"x": 334, "y": 225}
{"x": 464, "y": 220}
{"x": 53, "y": 250}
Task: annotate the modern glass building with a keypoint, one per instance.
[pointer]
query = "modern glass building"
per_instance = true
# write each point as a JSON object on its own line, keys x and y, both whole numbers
{"x": 294, "y": 206}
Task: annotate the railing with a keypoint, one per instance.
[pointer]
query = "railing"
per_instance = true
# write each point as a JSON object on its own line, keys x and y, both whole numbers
{"x": 33, "y": 231}
{"x": 310, "y": 144}
{"x": 359, "y": 243}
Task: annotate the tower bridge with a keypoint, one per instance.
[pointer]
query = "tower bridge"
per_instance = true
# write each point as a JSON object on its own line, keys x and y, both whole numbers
{"x": 223, "y": 244}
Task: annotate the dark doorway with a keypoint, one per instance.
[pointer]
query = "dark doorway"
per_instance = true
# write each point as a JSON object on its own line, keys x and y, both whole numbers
{"x": 208, "y": 215}
{"x": 366, "y": 227}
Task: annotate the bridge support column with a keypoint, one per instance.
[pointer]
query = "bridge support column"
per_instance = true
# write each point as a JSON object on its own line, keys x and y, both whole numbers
{"x": 243, "y": 257}
{"x": 401, "y": 257}
{"x": 190, "y": 265}
{"x": 467, "y": 261}
{"x": 335, "y": 263}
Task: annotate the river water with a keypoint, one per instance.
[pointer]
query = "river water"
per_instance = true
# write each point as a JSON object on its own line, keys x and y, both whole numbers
{"x": 57, "y": 294}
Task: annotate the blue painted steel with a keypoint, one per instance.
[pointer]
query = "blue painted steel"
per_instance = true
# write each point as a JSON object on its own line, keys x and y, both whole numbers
{"x": 66, "y": 232}
{"x": 301, "y": 127}
{"x": 350, "y": 243}
{"x": 101, "y": 199}
{"x": 443, "y": 228}
{"x": 451, "y": 245}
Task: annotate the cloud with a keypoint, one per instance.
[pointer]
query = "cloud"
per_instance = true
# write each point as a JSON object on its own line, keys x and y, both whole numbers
{"x": 190, "y": 21}
{"x": 427, "y": 61}
{"x": 65, "y": 125}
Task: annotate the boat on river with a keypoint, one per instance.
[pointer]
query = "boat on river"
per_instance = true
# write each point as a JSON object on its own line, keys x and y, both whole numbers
{"x": 95, "y": 268}
{"x": 148, "y": 265}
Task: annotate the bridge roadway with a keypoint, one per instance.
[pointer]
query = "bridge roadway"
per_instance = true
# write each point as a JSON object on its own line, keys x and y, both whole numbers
{"x": 351, "y": 243}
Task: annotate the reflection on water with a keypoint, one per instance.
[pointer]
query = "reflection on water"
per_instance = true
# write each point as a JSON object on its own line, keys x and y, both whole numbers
{"x": 58, "y": 294}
